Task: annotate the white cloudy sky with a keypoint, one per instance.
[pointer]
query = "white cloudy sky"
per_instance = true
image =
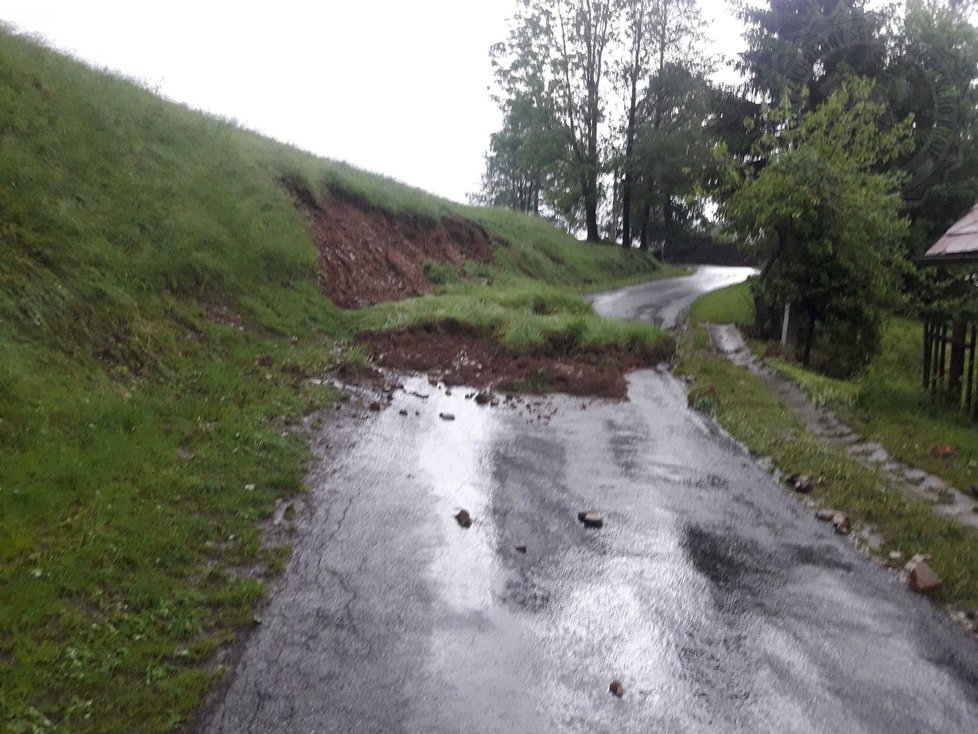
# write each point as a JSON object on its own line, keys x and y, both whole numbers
{"x": 393, "y": 86}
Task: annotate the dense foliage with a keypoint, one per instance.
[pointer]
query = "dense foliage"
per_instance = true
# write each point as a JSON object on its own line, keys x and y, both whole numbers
{"x": 824, "y": 223}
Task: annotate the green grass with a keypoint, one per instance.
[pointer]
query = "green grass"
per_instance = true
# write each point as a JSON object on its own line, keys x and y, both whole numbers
{"x": 888, "y": 404}
{"x": 522, "y": 315}
{"x": 885, "y": 404}
{"x": 159, "y": 305}
{"x": 730, "y": 305}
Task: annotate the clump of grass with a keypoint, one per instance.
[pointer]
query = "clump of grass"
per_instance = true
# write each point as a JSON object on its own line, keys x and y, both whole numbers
{"x": 353, "y": 359}
{"x": 439, "y": 274}
{"x": 703, "y": 398}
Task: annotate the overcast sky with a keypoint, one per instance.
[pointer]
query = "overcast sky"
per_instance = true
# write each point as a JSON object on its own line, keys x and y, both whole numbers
{"x": 399, "y": 87}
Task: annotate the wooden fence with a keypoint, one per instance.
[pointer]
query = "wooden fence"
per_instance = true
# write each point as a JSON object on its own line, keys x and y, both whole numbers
{"x": 949, "y": 362}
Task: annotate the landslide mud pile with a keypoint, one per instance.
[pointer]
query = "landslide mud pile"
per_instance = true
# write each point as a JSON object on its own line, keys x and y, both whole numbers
{"x": 369, "y": 255}
{"x": 457, "y": 355}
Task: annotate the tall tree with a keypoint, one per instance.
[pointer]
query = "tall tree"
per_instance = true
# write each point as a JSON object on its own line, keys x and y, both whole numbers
{"x": 810, "y": 46}
{"x": 932, "y": 76}
{"x": 674, "y": 151}
{"x": 559, "y": 48}
{"x": 663, "y": 37}
{"x": 523, "y": 157}
{"x": 823, "y": 222}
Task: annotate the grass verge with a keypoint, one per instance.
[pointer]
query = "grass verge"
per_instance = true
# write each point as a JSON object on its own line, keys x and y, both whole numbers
{"x": 746, "y": 409}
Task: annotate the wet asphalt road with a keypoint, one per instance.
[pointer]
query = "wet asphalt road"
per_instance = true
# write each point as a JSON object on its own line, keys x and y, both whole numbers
{"x": 718, "y": 600}
{"x": 662, "y": 302}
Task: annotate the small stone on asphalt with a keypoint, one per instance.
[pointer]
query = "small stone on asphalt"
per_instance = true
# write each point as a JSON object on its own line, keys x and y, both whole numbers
{"x": 590, "y": 519}
{"x": 617, "y": 688}
{"x": 521, "y": 549}
{"x": 464, "y": 518}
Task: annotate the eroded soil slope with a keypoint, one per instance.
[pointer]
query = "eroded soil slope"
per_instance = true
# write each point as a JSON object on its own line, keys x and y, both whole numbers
{"x": 370, "y": 255}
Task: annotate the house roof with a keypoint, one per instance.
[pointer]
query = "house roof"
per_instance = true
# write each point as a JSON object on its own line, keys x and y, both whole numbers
{"x": 959, "y": 244}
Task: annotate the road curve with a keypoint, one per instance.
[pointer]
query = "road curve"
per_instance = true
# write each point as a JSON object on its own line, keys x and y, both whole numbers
{"x": 717, "y": 600}
{"x": 661, "y": 302}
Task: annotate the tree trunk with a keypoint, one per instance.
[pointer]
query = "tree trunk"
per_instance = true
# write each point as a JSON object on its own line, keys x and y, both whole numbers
{"x": 626, "y": 194}
{"x": 591, "y": 208}
{"x": 809, "y": 339}
{"x": 643, "y": 241}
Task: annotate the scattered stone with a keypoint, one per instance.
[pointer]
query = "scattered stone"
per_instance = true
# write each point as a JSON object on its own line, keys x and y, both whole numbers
{"x": 448, "y": 393}
{"x": 402, "y": 411}
{"x": 895, "y": 555}
{"x": 841, "y": 523}
{"x": 484, "y": 397}
{"x": 921, "y": 577}
{"x": 521, "y": 549}
{"x": 464, "y": 518}
{"x": 590, "y": 519}
{"x": 825, "y": 515}
{"x": 801, "y": 483}
{"x": 941, "y": 451}
{"x": 374, "y": 406}
{"x": 617, "y": 688}
{"x": 447, "y": 416}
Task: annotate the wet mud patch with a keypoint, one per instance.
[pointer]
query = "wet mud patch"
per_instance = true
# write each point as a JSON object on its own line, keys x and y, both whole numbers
{"x": 369, "y": 255}
{"x": 458, "y": 355}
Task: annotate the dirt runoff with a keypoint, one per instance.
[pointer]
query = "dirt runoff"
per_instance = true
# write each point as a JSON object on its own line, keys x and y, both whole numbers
{"x": 369, "y": 255}
{"x": 458, "y": 355}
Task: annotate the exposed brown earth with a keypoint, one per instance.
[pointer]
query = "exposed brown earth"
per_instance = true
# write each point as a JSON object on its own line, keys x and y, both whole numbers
{"x": 369, "y": 255}
{"x": 457, "y": 355}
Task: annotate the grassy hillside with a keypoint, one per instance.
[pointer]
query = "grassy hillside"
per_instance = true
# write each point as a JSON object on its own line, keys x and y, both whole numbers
{"x": 159, "y": 309}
